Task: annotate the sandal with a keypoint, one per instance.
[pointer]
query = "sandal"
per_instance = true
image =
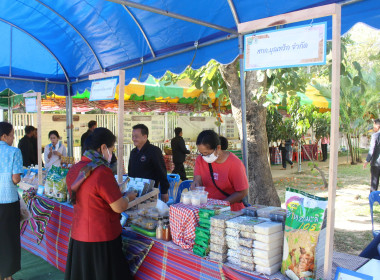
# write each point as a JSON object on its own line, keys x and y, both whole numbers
{"x": 292, "y": 166}
{"x": 283, "y": 169}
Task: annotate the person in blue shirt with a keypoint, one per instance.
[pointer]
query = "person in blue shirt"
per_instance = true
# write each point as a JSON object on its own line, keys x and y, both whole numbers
{"x": 10, "y": 175}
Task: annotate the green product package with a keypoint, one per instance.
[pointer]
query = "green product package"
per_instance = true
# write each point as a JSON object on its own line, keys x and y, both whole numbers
{"x": 205, "y": 223}
{"x": 204, "y": 242}
{"x": 200, "y": 251}
{"x": 304, "y": 219}
{"x": 202, "y": 232}
{"x": 206, "y": 213}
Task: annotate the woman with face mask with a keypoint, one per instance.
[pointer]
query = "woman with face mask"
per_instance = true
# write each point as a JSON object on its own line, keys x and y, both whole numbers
{"x": 54, "y": 151}
{"x": 95, "y": 248}
{"x": 221, "y": 172}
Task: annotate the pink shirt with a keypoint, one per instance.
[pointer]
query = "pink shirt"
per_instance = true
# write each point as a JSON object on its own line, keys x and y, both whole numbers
{"x": 325, "y": 140}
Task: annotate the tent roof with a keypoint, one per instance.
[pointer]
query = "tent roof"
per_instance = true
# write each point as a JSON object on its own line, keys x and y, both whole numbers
{"x": 65, "y": 41}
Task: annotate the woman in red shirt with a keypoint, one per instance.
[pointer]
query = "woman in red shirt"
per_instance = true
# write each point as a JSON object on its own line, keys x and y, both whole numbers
{"x": 230, "y": 181}
{"x": 95, "y": 249}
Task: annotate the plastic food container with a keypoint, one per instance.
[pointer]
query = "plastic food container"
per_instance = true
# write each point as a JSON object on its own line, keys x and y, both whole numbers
{"x": 195, "y": 199}
{"x": 203, "y": 197}
{"x": 186, "y": 198}
{"x": 200, "y": 189}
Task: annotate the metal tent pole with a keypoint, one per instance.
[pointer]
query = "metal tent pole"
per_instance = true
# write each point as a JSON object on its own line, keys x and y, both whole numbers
{"x": 120, "y": 137}
{"x": 243, "y": 105}
{"x": 69, "y": 121}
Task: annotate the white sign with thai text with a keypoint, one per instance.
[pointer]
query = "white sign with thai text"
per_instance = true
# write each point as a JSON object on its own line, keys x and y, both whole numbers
{"x": 103, "y": 90}
{"x": 290, "y": 47}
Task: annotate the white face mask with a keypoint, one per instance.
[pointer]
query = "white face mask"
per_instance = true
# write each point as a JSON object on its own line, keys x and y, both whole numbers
{"x": 109, "y": 156}
{"x": 210, "y": 158}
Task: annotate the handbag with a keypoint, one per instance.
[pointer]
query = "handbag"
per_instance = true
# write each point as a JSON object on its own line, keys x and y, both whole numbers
{"x": 244, "y": 200}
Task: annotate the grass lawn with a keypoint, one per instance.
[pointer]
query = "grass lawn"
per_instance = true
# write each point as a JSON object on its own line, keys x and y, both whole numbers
{"x": 353, "y": 228}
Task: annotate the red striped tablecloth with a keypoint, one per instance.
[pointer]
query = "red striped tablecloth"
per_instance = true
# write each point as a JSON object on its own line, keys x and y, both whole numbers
{"x": 54, "y": 245}
{"x": 183, "y": 221}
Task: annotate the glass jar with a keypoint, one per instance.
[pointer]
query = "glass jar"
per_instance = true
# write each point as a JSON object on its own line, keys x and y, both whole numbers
{"x": 186, "y": 198}
{"x": 196, "y": 199}
{"x": 204, "y": 196}
{"x": 159, "y": 229}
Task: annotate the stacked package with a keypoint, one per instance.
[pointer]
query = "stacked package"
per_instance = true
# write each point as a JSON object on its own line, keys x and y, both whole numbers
{"x": 202, "y": 233}
{"x": 267, "y": 247}
{"x": 240, "y": 237}
{"x": 218, "y": 244}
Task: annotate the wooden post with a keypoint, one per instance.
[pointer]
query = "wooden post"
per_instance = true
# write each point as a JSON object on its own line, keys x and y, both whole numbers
{"x": 39, "y": 146}
{"x": 120, "y": 137}
{"x": 334, "y": 141}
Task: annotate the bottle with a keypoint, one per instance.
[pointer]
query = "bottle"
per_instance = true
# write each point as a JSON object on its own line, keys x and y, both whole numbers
{"x": 167, "y": 235}
{"x": 159, "y": 230}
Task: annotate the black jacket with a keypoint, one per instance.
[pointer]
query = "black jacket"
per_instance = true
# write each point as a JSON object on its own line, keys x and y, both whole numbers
{"x": 27, "y": 150}
{"x": 83, "y": 139}
{"x": 179, "y": 149}
{"x": 149, "y": 163}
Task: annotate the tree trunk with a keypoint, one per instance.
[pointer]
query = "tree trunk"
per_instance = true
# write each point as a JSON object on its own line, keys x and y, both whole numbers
{"x": 261, "y": 187}
{"x": 350, "y": 148}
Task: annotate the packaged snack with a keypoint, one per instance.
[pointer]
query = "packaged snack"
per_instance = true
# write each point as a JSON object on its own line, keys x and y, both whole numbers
{"x": 269, "y": 238}
{"x": 268, "y": 270}
{"x": 233, "y": 253}
{"x": 220, "y": 220}
{"x": 267, "y": 262}
{"x": 244, "y": 223}
{"x": 267, "y": 254}
{"x": 247, "y": 234}
{"x": 205, "y": 223}
{"x": 202, "y": 232}
{"x": 200, "y": 251}
{"x": 232, "y": 242}
{"x": 252, "y": 210}
{"x": 265, "y": 212}
{"x": 218, "y": 231}
{"x": 246, "y": 242}
{"x": 305, "y": 214}
{"x": 278, "y": 215}
{"x": 206, "y": 213}
{"x": 268, "y": 228}
{"x": 232, "y": 232}
{"x": 218, "y": 257}
{"x": 246, "y": 259}
{"x": 204, "y": 242}
{"x": 268, "y": 246}
{"x": 217, "y": 209}
{"x": 218, "y": 240}
{"x": 221, "y": 249}
{"x": 245, "y": 251}
{"x": 247, "y": 266}
{"x": 233, "y": 260}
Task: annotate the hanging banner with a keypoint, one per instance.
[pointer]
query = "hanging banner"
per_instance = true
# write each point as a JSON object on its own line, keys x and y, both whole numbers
{"x": 288, "y": 47}
{"x": 31, "y": 105}
{"x": 103, "y": 90}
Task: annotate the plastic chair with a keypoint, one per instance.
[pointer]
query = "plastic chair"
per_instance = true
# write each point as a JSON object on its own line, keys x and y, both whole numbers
{"x": 373, "y": 197}
{"x": 184, "y": 185}
{"x": 173, "y": 182}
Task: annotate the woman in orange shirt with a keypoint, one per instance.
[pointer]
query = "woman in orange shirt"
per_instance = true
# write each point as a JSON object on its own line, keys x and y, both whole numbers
{"x": 229, "y": 180}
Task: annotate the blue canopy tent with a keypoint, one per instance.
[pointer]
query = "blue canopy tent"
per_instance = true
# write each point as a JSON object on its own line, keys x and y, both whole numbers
{"x": 55, "y": 45}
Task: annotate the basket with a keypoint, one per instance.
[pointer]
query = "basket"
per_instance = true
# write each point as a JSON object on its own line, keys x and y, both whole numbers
{"x": 168, "y": 151}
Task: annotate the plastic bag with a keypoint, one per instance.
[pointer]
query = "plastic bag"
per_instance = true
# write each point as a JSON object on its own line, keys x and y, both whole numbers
{"x": 303, "y": 224}
{"x": 24, "y": 211}
{"x": 162, "y": 207}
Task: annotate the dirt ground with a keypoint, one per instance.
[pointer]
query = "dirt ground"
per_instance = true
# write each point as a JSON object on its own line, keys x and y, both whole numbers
{"x": 353, "y": 228}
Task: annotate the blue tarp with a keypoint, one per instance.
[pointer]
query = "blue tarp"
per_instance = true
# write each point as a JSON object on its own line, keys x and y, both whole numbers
{"x": 66, "y": 40}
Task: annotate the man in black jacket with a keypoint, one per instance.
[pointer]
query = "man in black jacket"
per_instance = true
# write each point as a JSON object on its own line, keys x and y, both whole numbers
{"x": 26, "y": 146}
{"x": 146, "y": 161}
{"x": 179, "y": 153}
{"x": 91, "y": 127}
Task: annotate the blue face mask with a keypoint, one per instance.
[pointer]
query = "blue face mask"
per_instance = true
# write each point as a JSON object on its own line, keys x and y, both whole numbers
{"x": 210, "y": 158}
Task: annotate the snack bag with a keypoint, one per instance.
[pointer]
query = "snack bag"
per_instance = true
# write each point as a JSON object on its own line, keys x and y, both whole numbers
{"x": 304, "y": 218}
